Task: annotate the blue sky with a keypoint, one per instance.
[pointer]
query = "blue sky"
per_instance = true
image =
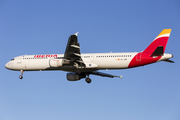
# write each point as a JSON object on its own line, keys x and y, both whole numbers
{"x": 43, "y": 27}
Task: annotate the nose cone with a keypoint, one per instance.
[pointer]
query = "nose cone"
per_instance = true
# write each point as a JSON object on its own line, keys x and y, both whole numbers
{"x": 8, "y": 65}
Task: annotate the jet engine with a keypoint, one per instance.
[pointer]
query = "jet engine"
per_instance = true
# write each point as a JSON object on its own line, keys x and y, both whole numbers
{"x": 55, "y": 62}
{"x": 74, "y": 76}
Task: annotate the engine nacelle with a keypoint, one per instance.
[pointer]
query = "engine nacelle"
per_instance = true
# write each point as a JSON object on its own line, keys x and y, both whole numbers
{"x": 55, "y": 62}
{"x": 74, "y": 76}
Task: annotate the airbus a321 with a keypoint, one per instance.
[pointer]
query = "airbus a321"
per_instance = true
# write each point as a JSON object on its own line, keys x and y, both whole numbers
{"x": 81, "y": 66}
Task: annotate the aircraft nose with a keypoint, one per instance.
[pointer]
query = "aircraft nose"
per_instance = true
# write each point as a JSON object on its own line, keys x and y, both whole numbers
{"x": 8, "y": 65}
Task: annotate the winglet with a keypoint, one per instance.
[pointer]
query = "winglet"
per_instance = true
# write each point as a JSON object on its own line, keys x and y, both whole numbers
{"x": 121, "y": 76}
{"x": 76, "y": 34}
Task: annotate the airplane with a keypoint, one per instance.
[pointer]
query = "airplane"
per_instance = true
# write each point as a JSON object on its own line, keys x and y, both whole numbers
{"x": 81, "y": 66}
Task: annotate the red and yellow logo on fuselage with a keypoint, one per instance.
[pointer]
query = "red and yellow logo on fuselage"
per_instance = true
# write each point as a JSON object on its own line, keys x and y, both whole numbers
{"x": 44, "y": 56}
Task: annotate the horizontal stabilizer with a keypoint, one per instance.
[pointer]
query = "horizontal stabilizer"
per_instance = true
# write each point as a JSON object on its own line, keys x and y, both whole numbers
{"x": 168, "y": 61}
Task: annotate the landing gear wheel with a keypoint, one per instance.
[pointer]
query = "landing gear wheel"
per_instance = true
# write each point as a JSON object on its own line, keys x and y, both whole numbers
{"x": 88, "y": 80}
{"x": 20, "y": 77}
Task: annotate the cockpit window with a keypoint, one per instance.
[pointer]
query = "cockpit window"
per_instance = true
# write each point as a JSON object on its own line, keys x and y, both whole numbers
{"x": 12, "y": 59}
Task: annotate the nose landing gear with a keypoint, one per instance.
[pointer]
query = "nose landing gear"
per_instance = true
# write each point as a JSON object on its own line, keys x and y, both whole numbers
{"x": 88, "y": 80}
{"x": 21, "y": 76}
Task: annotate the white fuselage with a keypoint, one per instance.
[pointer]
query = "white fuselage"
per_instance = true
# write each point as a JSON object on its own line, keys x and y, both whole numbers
{"x": 92, "y": 61}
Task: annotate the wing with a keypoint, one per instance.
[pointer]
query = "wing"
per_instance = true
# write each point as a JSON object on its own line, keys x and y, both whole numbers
{"x": 72, "y": 53}
{"x": 104, "y": 74}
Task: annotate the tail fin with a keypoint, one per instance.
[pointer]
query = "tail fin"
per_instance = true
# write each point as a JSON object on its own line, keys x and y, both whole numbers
{"x": 158, "y": 46}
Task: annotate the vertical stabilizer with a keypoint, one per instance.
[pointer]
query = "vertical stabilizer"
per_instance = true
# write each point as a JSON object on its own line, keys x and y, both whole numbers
{"x": 159, "y": 42}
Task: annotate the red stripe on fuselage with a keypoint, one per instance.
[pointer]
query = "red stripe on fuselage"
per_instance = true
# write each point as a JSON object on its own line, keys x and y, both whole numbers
{"x": 141, "y": 59}
{"x": 144, "y": 58}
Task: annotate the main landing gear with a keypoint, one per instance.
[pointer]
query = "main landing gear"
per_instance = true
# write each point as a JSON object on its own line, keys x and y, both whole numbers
{"x": 21, "y": 76}
{"x": 88, "y": 80}
{"x": 78, "y": 71}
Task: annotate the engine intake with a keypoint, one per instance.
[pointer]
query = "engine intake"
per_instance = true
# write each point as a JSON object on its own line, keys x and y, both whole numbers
{"x": 74, "y": 76}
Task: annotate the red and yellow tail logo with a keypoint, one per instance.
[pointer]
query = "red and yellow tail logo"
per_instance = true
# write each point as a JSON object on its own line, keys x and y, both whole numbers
{"x": 164, "y": 33}
{"x": 156, "y": 48}
{"x": 160, "y": 40}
